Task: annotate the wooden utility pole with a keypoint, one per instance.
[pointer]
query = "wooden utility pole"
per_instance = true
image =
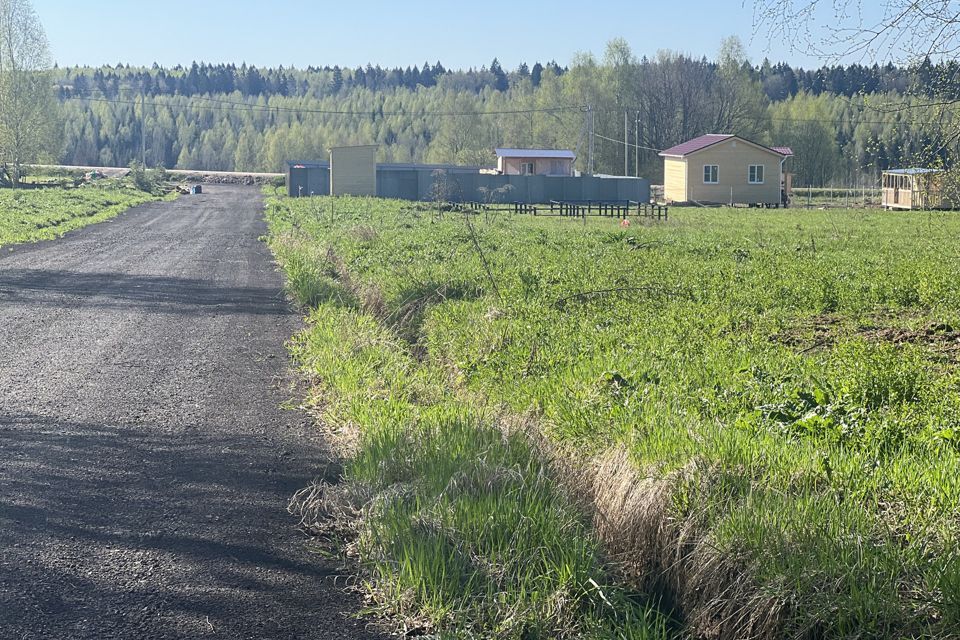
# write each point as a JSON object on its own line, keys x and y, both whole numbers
{"x": 626, "y": 146}
{"x": 143, "y": 127}
{"x": 636, "y": 147}
{"x": 591, "y": 114}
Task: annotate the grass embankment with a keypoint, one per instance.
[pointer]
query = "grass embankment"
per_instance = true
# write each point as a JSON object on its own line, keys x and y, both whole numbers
{"x": 45, "y": 214}
{"x": 765, "y": 403}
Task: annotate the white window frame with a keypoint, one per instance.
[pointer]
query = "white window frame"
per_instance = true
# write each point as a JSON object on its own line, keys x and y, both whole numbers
{"x": 752, "y": 173}
{"x": 524, "y": 166}
{"x": 715, "y": 173}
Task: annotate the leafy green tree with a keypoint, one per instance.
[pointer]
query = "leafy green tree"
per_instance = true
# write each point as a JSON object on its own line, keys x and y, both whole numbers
{"x": 804, "y": 124}
{"x": 28, "y": 109}
{"x": 739, "y": 102}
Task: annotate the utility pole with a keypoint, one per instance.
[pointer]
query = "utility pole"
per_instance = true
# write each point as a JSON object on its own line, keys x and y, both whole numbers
{"x": 636, "y": 148}
{"x": 143, "y": 127}
{"x": 591, "y": 114}
{"x": 626, "y": 146}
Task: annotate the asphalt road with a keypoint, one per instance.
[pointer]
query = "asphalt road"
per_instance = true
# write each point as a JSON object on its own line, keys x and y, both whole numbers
{"x": 145, "y": 462}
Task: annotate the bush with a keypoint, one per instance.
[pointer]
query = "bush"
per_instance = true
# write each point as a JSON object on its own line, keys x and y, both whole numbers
{"x": 148, "y": 180}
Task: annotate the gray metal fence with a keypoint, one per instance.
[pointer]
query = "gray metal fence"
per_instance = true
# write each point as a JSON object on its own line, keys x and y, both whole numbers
{"x": 458, "y": 184}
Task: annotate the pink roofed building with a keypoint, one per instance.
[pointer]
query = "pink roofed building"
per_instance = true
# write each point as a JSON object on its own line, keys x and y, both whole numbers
{"x": 535, "y": 162}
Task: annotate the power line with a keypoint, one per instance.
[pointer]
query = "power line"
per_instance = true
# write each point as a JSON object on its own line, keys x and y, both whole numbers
{"x": 332, "y": 112}
{"x": 632, "y": 145}
{"x": 833, "y": 121}
{"x": 249, "y": 106}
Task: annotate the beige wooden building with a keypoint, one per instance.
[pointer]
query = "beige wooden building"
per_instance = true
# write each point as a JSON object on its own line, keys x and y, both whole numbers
{"x": 353, "y": 171}
{"x": 726, "y": 169}
{"x": 917, "y": 189}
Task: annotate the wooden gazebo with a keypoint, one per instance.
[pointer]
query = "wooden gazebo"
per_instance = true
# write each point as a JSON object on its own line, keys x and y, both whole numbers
{"x": 915, "y": 188}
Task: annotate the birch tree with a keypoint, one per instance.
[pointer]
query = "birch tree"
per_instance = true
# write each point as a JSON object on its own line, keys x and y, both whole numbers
{"x": 27, "y": 104}
{"x": 910, "y": 32}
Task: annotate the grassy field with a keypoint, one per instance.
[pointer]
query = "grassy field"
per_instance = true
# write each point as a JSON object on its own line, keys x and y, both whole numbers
{"x": 44, "y": 214}
{"x": 747, "y": 419}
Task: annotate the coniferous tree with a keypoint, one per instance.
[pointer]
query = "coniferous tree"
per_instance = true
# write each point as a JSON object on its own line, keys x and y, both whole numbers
{"x": 336, "y": 84}
{"x": 500, "y": 78}
{"x": 536, "y": 74}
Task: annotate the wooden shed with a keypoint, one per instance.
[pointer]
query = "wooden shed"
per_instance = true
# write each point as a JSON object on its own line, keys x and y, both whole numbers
{"x": 917, "y": 188}
{"x": 353, "y": 171}
{"x": 726, "y": 169}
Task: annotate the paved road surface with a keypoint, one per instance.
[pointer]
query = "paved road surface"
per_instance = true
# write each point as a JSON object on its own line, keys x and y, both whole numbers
{"x": 144, "y": 462}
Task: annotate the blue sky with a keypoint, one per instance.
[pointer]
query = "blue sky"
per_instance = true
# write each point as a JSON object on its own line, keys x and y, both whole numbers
{"x": 460, "y": 34}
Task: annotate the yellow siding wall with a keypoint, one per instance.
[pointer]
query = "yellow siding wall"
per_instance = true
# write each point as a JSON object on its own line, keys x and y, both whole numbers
{"x": 675, "y": 180}
{"x": 353, "y": 171}
{"x": 734, "y": 158}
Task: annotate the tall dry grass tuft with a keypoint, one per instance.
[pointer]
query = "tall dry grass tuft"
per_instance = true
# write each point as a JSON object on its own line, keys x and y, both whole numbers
{"x": 369, "y": 297}
{"x": 340, "y": 270}
{"x": 711, "y": 591}
{"x": 373, "y": 302}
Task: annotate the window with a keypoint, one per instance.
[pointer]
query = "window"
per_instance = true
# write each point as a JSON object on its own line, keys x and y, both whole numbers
{"x": 526, "y": 169}
{"x": 755, "y": 174}
{"x": 557, "y": 168}
{"x": 711, "y": 174}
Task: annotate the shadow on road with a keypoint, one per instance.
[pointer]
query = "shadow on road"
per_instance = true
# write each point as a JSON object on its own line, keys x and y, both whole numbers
{"x": 161, "y": 294}
{"x": 172, "y": 514}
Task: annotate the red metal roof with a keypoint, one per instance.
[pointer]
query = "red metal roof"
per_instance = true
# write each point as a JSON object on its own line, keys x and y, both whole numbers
{"x": 701, "y": 143}
{"x": 692, "y": 146}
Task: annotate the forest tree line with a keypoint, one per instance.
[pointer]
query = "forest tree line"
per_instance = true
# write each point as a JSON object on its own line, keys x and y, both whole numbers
{"x": 845, "y": 123}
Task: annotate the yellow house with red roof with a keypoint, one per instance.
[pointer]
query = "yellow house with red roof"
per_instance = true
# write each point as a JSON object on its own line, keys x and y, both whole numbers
{"x": 725, "y": 169}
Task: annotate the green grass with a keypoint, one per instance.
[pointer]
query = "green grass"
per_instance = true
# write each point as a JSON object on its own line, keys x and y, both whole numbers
{"x": 783, "y": 383}
{"x": 45, "y": 214}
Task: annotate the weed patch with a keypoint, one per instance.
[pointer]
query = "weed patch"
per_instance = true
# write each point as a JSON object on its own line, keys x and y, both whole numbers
{"x": 459, "y": 523}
